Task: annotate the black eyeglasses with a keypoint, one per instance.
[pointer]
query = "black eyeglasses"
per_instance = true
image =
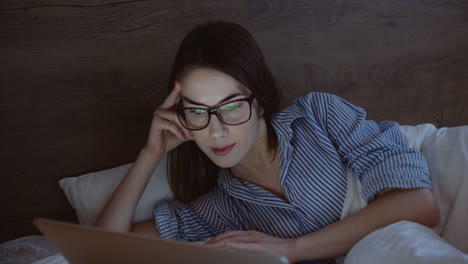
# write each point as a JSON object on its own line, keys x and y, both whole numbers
{"x": 232, "y": 113}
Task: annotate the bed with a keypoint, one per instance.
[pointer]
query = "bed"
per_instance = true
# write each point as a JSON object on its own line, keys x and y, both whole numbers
{"x": 79, "y": 82}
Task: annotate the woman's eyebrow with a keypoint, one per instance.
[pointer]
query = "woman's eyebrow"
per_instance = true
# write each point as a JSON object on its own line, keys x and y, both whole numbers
{"x": 225, "y": 99}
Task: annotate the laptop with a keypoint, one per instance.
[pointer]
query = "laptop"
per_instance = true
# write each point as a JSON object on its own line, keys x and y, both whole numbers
{"x": 88, "y": 245}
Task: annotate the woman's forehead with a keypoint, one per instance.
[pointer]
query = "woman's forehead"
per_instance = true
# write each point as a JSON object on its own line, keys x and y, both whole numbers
{"x": 210, "y": 87}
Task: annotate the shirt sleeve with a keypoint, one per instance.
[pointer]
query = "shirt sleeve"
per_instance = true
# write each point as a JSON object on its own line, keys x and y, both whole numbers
{"x": 375, "y": 152}
{"x": 194, "y": 221}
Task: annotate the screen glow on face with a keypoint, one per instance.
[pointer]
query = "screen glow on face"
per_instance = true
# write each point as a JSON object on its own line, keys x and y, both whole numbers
{"x": 233, "y": 112}
{"x": 230, "y": 112}
{"x": 231, "y": 106}
{"x": 197, "y": 111}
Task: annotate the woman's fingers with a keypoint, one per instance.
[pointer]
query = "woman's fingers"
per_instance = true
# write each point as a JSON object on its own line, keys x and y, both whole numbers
{"x": 166, "y": 131}
{"x": 169, "y": 115}
{"x": 172, "y": 99}
{"x": 234, "y": 239}
{"x": 168, "y": 125}
{"x": 237, "y": 235}
{"x": 172, "y": 116}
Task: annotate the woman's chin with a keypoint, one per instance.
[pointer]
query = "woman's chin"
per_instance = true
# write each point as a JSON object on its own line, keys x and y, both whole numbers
{"x": 223, "y": 161}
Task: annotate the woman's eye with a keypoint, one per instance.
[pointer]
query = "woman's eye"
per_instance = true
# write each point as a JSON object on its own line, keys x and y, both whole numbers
{"x": 231, "y": 106}
{"x": 197, "y": 111}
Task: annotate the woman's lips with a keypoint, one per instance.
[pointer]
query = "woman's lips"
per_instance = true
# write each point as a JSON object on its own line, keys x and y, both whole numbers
{"x": 222, "y": 151}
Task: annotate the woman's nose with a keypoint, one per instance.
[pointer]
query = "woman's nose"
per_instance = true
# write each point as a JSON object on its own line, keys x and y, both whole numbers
{"x": 216, "y": 127}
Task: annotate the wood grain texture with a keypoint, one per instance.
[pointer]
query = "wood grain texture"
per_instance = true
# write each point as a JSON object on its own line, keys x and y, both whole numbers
{"x": 79, "y": 80}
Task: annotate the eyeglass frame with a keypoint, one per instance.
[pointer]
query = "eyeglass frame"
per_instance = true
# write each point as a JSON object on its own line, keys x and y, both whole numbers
{"x": 214, "y": 111}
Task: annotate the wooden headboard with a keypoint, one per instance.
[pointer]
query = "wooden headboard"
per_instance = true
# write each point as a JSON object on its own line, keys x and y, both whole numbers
{"x": 79, "y": 80}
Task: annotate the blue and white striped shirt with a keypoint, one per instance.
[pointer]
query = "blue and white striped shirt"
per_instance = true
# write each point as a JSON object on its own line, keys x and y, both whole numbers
{"x": 319, "y": 135}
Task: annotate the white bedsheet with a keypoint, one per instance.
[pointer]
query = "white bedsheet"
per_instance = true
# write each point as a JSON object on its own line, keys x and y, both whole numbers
{"x": 54, "y": 259}
{"x": 25, "y": 250}
{"x": 405, "y": 243}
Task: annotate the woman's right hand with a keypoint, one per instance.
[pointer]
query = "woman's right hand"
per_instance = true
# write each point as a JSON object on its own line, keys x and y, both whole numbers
{"x": 166, "y": 132}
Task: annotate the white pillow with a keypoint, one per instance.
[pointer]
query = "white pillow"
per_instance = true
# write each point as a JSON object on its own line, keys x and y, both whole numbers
{"x": 89, "y": 193}
{"x": 446, "y": 151}
{"x": 404, "y": 243}
{"x": 414, "y": 135}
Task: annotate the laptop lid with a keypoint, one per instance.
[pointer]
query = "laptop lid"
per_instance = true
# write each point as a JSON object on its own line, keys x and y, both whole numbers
{"x": 88, "y": 245}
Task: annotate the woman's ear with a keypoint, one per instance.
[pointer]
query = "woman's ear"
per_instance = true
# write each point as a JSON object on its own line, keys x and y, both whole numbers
{"x": 259, "y": 108}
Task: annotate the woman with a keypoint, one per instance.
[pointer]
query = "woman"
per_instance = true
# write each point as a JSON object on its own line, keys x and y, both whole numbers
{"x": 253, "y": 178}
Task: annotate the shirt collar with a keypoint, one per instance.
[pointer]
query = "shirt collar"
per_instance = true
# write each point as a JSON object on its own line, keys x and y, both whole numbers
{"x": 248, "y": 191}
{"x": 283, "y": 120}
{"x": 244, "y": 190}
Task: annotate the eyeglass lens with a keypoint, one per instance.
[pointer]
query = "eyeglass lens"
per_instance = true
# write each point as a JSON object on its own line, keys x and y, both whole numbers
{"x": 230, "y": 114}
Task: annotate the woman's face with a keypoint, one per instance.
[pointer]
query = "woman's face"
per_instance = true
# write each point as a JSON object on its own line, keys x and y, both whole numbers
{"x": 203, "y": 88}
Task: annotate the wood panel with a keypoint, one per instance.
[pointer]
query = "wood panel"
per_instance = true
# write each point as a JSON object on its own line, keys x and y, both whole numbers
{"x": 79, "y": 80}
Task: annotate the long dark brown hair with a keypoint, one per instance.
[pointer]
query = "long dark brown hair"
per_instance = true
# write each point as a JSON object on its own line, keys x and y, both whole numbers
{"x": 231, "y": 49}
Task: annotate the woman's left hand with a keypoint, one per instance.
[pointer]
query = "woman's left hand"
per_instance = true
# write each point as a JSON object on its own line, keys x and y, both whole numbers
{"x": 254, "y": 241}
